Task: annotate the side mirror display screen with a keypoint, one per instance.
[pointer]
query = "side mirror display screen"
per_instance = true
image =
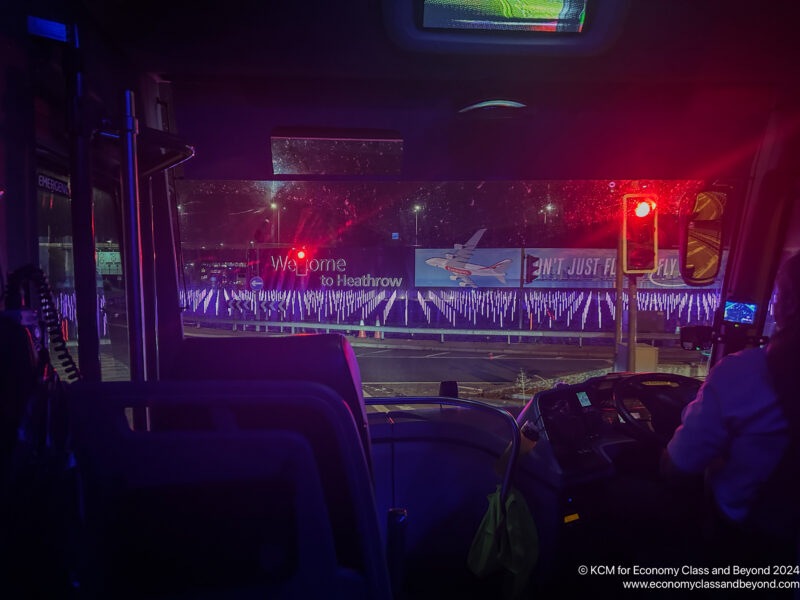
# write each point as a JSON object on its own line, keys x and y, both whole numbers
{"x": 739, "y": 312}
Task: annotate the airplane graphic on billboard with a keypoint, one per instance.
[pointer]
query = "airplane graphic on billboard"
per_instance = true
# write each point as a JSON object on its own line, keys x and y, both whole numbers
{"x": 458, "y": 265}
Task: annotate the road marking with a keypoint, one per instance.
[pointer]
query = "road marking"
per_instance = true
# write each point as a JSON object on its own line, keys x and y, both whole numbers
{"x": 377, "y": 383}
{"x": 436, "y": 355}
{"x": 376, "y": 352}
{"x": 505, "y": 356}
{"x": 383, "y": 408}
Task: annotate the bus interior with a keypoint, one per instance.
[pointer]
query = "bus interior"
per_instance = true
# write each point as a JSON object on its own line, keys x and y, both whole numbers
{"x": 379, "y": 298}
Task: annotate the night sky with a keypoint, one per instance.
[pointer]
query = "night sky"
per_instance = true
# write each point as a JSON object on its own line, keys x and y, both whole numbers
{"x": 576, "y": 214}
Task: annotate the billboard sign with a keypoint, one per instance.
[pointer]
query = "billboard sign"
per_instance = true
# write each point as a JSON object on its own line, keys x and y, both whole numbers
{"x": 486, "y": 267}
{"x": 335, "y": 268}
{"x": 596, "y": 268}
{"x": 555, "y": 268}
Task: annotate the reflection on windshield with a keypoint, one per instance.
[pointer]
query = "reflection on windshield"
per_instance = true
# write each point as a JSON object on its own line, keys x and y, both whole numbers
{"x": 504, "y": 286}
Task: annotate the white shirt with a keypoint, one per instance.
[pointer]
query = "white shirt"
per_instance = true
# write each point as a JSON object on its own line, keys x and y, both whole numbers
{"x": 736, "y": 424}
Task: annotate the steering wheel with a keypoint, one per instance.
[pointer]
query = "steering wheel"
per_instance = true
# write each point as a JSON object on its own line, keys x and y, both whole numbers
{"x": 664, "y": 395}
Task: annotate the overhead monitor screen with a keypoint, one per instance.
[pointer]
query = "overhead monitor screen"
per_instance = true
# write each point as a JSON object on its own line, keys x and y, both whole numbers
{"x": 556, "y": 16}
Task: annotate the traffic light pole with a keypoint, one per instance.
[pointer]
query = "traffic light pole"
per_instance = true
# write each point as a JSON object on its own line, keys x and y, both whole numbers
{"x": 618, "y": 309}
{"x": 632, "y": 310}
{"x": 638, "y": 250}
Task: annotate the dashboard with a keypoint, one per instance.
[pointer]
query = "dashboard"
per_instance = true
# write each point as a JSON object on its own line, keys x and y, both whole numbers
{"x": 570, "y": 414}
{"x": 585, "y": 431}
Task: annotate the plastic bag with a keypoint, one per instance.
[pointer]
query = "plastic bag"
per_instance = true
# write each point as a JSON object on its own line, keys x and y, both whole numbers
{"x": 506, "y": 542}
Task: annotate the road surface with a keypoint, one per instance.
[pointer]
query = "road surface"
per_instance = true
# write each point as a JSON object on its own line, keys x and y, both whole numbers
{"x": 386, "y": 366}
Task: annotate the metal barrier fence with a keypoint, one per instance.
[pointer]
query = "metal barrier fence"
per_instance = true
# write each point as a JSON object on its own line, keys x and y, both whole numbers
{"x": 294, "y": 326}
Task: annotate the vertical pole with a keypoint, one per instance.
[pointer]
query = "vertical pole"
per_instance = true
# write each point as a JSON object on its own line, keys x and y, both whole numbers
{"x": 149, "y": 307}
{"x": 132, "y": 239}
{"x": 618, "y": 306}
{"x": 279, "y": 223}
{"x": 632, "y": 308}
{"x": 166, "y": 271}
{"x": 522, "y": 273}
{"x": 82, "y": 220}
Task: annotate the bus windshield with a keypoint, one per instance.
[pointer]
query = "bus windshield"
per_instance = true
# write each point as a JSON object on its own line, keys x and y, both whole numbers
{"x": 505, "y": 287}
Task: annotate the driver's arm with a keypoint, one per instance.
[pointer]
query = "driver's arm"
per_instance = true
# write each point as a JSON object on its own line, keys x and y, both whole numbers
{"x": 701, "y": 438}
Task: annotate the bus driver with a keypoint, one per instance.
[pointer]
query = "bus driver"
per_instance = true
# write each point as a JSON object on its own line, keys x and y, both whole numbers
{"x": 742, "y": 430}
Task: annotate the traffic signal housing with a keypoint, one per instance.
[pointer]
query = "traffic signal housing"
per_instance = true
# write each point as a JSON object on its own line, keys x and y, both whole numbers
{"x": 531, "y": 268}
{"x": 301, "y": 256}
{"x": 639, "y": 234}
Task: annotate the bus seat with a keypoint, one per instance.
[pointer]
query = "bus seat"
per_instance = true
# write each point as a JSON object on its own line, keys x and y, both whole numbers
{"x": 18, "y": 380}
{"x": 261, "y": 492}
{"x": 439, "y": 466}
{"x": 323, "y": 358}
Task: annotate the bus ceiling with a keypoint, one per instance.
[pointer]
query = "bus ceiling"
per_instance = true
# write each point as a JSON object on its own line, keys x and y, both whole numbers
{"x": 623, "y": 96}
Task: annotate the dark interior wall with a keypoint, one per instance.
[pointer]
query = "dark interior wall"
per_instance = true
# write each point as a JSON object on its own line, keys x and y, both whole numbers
{"x": 18, "y": 243}
{"x": 568, "y": 131}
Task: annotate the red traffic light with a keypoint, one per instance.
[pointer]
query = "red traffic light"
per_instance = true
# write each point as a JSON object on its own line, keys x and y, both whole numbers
{"x": 301, "y": 258}
{"x": 300, "y": 253}
{"x": 639, "y": 234}
{"x": 644, "y": 208}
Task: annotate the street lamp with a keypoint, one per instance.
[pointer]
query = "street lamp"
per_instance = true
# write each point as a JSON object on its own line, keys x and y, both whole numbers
{"x": 276, "y": 209}
{"x": 417, "y": 208}
{"x": 547, "y": 209}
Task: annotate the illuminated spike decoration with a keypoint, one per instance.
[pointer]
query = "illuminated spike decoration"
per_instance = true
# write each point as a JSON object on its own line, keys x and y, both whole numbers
{"x": 556, "y": 309}
{"x": 542, "y": 309}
